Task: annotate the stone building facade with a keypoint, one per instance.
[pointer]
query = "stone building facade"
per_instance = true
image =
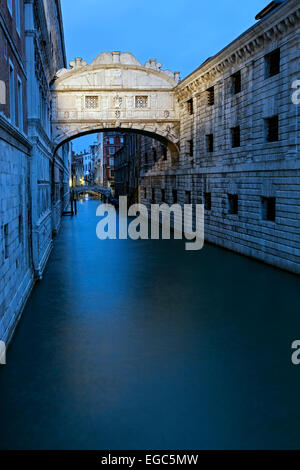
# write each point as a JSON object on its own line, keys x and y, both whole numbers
{"x": 239, "y": 143}
{"x": 77, "y": 169}
{"x": 33, "y": 183}
{"x": 138, "y": 156}
{"x": 89, "y": 159}
{"x": 127, "y": 167}
{"x": 15, "y": 150}
{"x": 99, "y": 160}
{"x": 112, "y": 142}
{"x": 45, "y": 54}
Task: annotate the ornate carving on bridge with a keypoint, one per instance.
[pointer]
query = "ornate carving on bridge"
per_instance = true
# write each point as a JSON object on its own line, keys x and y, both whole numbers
{"x": 77, "y": 63}
{"x": 117, "y": 58}
{"x": 171, "y": 131}
{"x": 117, "y": 100}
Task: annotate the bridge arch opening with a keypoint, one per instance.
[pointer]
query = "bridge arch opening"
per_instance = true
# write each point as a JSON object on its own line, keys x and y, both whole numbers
{"x": 173, "y": 147}
{"x": 166, "y": 157}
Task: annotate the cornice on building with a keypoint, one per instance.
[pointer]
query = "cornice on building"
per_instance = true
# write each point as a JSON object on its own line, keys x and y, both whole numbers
{"x": 12, "y": 134}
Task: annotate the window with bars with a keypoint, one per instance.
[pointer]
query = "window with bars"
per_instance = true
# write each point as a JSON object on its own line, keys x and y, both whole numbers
{"x": 174, "y": 194}
{"x": 20, "y": 104}
{"x": 268, "y": 208}
{"x": 191, "y": 148}
{"x": 6, "y": 241}
{"x": 20, "y": 229}
{"x": 91, "y": 102}
{"x": 12, "y": 101}
{"x": 153, "y": 195}
{"x": 207, "y": 201}
{"x": 233, "y": 203}
{"x": 210, "y": 92}
{"x": 141, "y": 101}
{"x": 188, "y": 197}
{"x": 190, "y": 106}
{"x": 235, "y": 136}
{"x": 236, "y": 82}
{"x": 165, "y": 153}
{"x": 272, "y": 63}
{"x": 210, "y": 143}
{"x": 272, "y": 129}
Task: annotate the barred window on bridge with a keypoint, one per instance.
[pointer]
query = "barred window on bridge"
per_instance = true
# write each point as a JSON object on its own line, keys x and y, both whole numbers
{"x": 91, "y": 102}
{"x": 141, "y": 101}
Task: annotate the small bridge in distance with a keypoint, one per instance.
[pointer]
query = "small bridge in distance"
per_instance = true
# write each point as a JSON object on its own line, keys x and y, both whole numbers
{"x": 93, "y": 190}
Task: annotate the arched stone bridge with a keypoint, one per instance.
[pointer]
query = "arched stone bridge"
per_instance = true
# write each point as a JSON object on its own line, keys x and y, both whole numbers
{"x": 115, "y": 92}
{"x": 92, "y": 190}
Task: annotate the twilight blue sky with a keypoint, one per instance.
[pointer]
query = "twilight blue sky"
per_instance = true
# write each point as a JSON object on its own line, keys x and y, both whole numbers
{"x": 179, "y": 34}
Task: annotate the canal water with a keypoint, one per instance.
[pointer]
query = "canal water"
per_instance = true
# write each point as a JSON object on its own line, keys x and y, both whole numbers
{"x": 143, "y": 345}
